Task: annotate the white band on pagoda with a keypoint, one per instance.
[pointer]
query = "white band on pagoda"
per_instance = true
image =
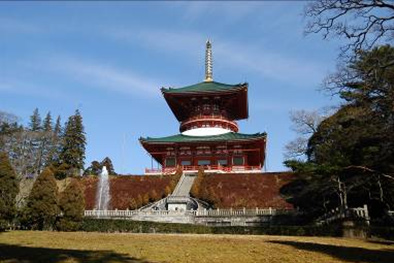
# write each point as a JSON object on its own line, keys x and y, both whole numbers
{"x": 206, "y": 131}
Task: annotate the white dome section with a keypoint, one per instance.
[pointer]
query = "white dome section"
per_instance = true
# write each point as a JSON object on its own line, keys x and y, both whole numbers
{"x": 206, "y": 131}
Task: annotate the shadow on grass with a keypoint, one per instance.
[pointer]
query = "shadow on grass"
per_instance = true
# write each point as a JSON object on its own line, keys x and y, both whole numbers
{"x": 381, "y": 242}
{"x": 350, "y": 254}
{"x": 15, "y": 253}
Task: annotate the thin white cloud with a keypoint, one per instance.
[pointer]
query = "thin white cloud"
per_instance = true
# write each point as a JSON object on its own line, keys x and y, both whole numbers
{"x": 104, "y": 76}
{"x": 88, "y": 74}
{"x": 184, "y": 42}
{"x": 269, "y": 63}
{"x": 29, "y": 88}
{"x": 229, "y": 54}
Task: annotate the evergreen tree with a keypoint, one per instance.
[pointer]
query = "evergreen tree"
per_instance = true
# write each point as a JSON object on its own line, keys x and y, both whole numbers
{"x": 56, "y": 144}
{"x": 47, "y": 123}
{"x": 35, "y": 121}
{"x": 34, "y": 140}
{"x": 72, "y": 204}
{"x": 45, "y": 143}
{"x": 42, "y": 205}
{"x": 8, "y": 190}
{"x": 93, "y": 169}
{"x": 350, "y": 156}
{"x": 108, "y": 163}
{"x": 74, "y": 143}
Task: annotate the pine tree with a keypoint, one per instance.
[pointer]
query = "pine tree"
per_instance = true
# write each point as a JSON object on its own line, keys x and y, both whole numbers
{"x": 8, "y": 190}
{"x": 108, "y": 163}
{"x": 42, "y": 205}
{"x": 72, "y": 205}
{"x": 45, "y": 143}
{"x": 35, "y": 121}
{"x": 56, "y": 144}
{"x": 47, "y": 123}
{"x": 34, "y": 140}
{"x": 93, "y": 169}
{"x": 74, "y": 143}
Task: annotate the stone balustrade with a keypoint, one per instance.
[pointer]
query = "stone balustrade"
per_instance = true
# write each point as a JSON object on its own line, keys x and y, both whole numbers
{"x": 195, "y": 213}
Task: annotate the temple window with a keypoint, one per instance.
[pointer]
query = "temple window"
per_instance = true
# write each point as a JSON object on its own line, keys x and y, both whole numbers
{"x": 222, "y": 162}
{"x": 170, "y": 162}
{"x": 204, "y": 162}
{"x": 238, "y": 160}
{"x": 186, "y": 162}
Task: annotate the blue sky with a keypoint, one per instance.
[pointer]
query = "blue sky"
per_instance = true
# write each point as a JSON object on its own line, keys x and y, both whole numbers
{"x": 110, "y": 60}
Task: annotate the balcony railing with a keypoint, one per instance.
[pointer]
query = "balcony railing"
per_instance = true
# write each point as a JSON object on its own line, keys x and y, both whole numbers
{"x": 207, "y": 168}
{"x": 218, "y": 120}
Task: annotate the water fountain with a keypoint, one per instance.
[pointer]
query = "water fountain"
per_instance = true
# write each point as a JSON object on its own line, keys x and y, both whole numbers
{"x": 102, "y": 194}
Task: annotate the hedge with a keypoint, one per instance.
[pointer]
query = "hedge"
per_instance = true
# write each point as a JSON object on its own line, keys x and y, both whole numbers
{"x": 108, "y": 225}
{"x": 382, "y": 232}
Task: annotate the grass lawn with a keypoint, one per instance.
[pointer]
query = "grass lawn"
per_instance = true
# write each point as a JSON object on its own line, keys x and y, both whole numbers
{"x": 53, "y": 247}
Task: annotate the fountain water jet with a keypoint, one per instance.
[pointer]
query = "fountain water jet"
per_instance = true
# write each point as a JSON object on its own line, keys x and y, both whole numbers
{"x": 102, "y": 194}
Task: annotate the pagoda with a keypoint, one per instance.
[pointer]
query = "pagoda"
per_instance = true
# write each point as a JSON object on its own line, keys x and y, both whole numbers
{"x": 209, "y": 134}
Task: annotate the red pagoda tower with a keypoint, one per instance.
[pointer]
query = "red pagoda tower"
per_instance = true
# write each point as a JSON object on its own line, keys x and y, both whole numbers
{"x": 208, "y": 113}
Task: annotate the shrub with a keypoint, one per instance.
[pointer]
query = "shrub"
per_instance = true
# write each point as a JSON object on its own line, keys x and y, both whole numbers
{"x": 62, "y": 171}
{"x": 42, "y": 205}
{"x": 145, "y": 199}
{"x": 139, "y": 201}
{"x": 167, "y": 191}
{"x": 72, "y": 205}
{"x": 8, "y": 190}
{"x": 133, "y": 204}
{"x": 195, "y": 191}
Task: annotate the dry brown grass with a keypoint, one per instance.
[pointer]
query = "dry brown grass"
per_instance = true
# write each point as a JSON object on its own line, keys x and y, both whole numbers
{"x": 54, "y": 247}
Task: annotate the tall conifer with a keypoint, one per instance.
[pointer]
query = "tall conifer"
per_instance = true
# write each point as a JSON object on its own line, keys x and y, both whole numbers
{"x": 35, "y": 121}
{"x": 8, "y": 190}
{"x": 42, "y": 205}
{"x": 72, "y": 204}
{"x": 74, "y": 142}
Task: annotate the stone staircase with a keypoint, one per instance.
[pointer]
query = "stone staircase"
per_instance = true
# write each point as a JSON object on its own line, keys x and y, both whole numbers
{"x": 184, "y": 185}
{"x": 180, "y": 199}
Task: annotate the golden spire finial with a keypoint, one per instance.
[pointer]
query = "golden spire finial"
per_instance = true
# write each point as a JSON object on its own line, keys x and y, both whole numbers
{"x": 208, "y": 62}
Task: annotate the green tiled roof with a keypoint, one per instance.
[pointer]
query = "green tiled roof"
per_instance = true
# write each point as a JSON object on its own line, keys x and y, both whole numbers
{"x": 230, "y": 136}
{"x": 204, "y": 87}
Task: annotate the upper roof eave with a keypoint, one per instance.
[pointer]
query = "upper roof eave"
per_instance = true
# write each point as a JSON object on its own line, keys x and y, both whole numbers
{"x": 208, "y": 87}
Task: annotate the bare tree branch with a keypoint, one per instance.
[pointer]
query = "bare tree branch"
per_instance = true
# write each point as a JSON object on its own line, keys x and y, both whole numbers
{"x": 363, "y": 23}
